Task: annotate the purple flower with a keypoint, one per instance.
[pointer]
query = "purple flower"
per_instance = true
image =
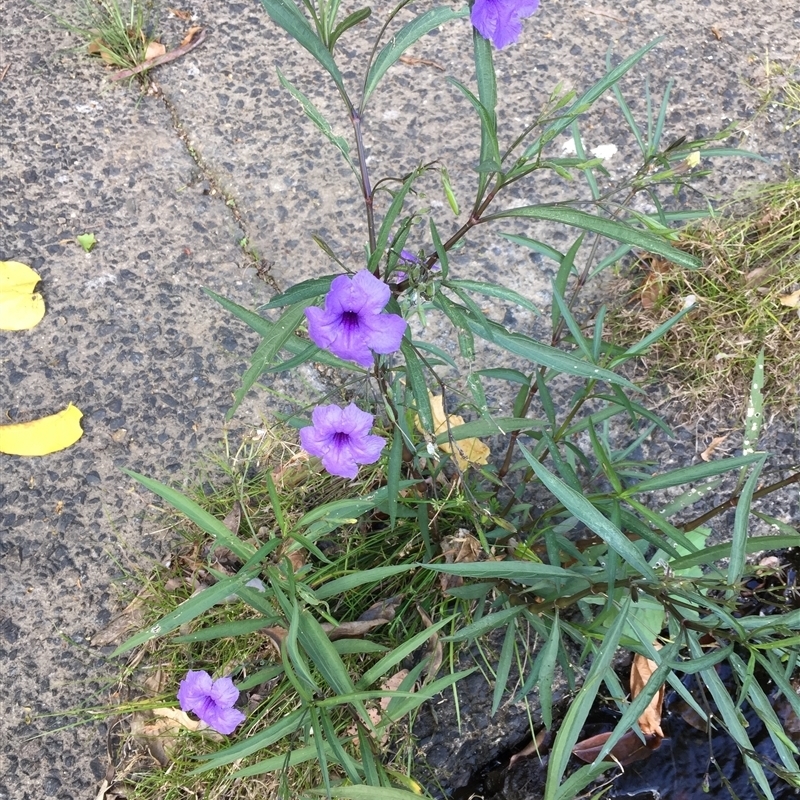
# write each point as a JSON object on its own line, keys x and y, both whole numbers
{"x": 500, "y": 20}
{"x": 351, "y": 325}
{"x": 341, "y": 438}
{"x": 211, "y": 700}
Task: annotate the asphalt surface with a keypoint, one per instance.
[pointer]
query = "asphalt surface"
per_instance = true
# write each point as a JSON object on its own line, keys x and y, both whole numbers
{"x": 180, "y": 187}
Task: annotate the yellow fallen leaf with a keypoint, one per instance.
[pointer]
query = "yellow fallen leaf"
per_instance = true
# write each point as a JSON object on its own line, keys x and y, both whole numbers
{"x": 20, "y": 307}
{"x": 467, "y": 451}
{"x": 42, "y": 436}
{"x": 791, "y": 300}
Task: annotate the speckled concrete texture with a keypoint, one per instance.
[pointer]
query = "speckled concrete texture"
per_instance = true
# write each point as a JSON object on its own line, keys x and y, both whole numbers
{"x": 132, "y": 341}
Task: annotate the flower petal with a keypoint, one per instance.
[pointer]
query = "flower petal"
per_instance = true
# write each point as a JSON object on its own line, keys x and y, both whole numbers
{"x": 323, "y": 326}
{"x": 339, "y": 461}
{"x": 194, "y": 690}
{"x": 373, "y": 293}
{"x": 223, "y": 720}
{"x": 223, "y": 692}
{"x": 354, "y": 421}
{"x": 366, "y": 449}
{"x": 384, "y": 332}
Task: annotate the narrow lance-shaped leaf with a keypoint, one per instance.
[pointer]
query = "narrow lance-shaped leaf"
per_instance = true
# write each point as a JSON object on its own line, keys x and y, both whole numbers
{"x": 578, "y": 505}
{"x": 286, "y": 14}
{"x": 316, "y": 117}
{"x": 402, "y": 40}
{"x": 609, "y": 228}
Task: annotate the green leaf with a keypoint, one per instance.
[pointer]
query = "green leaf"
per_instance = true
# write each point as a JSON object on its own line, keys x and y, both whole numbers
{"x": 487, "y": 100}
{"x": 570, "y": 727}
{"x": 385, "y": 230}
{"x": 488, "y": 427}
{"x": 392, "y": 659}
{"x": 611, "y": 229}
{"x": 503, "y": 669}
{"x": 580, "y": 507}
{"x": 542, "y": 354}
{"x": 678, "y": 477}
{"x": 211, "y": 525}
{"x": 294, "y": 344}
{"x": 547, "y": 671}
{"x": 237, "y": 627}
{"x": 87, "y": 241}
{"x": 286, "y": 14}
{"x": 493, "y": 290}
{"x": 402, "y": 40}
{"x": 520, "y": 571}
{"x": 730, "y": 717}
{"x": 313, "y": 113}
{"x": 418, "y": 385}
{"x": 363, "y": 792}
{"x": 265, "y": 353}
{"x": 360, "y": 578}
{"x": 322, "y": 653}
{"x": 348, "y": 22}
{"x": 740, "y": 527}
{"x": 305, "y": 290}
{"x": 252, "y": 744}
{"x": 585, "y": 101}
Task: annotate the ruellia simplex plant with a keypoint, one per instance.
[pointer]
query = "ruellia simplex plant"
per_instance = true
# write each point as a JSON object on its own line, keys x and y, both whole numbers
{"x": 407, "y": 547}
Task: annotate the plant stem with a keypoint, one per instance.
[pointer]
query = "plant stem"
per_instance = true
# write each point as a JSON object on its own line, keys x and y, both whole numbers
{"x": 366, "y": 190}
{"x": 733, "y": 501}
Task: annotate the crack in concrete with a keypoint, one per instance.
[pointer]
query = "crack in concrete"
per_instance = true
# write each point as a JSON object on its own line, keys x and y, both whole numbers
{"x": 261, "y": 266}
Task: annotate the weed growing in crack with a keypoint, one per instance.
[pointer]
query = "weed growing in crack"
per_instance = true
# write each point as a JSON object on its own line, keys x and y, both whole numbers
{"x": 117, "y": 31}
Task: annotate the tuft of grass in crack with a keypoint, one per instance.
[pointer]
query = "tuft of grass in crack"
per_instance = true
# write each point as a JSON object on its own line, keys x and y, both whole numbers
{"x": 118, "y": 31}
{"x": 778, "y": 84}
{"x": 240, "y": 494}
{"x": 751, "y": 260}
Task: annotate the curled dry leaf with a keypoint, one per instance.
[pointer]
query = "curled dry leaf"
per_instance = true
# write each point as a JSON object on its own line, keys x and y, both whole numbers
{"x": 650, "y": 721}
{"x": 654, "y": 286}
{"x": 712, "y": 446}
{"x": 535, "y": 747}
{"x": 465, "y": 451}
{"x": 159, "y": 735}
{"x": 435, "y": 649}
{"x": 190, "y": 34}
{"x": 629, "y": 749}
{"x": 180, "y": 14}
{"x": 377, "y": 614}
{"x": 41, "y": 437}
{"x": 20, "y": 307}
{"x": 460, "y": 548}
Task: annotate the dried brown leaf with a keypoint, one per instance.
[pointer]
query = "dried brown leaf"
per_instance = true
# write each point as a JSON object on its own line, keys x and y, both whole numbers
{"x": 712, "y": 446}
{"x": 460, "y": 548}
{"x": 413, "y": 61}
{"x": 191, "y": 33}
{"x": 653, "y": 288}
{"x": 758, "y": 276}
{"x": 627, "y": 750}
{"x": 377, "y": 614}
{"x": 180, "y": 14}
{"x": 535, "y": 747}
{"x": 435, "y": 649}
{"x": 154, "y": 50}
{"x": 790, "y": 300}
{"x": 650, "y": 721}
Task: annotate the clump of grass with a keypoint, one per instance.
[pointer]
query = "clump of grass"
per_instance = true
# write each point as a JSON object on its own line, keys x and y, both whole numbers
{"x": 779, "y": 85}
{"x": 117, "y": 31}
{"x": 751, "y": 261}
{"x": 252, "y": 659}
